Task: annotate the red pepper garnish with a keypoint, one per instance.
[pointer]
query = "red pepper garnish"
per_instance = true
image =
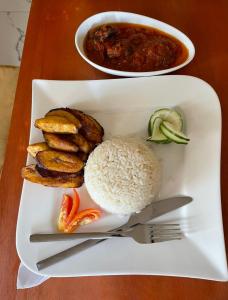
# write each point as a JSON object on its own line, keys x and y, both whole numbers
{"x": 75, "y": 207}
{"x": 84, "y": 217}
{"x": 65, "y": 209}
{"x": 70, "y": 219}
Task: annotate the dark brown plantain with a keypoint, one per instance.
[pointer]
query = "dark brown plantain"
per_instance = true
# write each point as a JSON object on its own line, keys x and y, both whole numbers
{"x": 29, "y": 173}
{"x": 54, "y": 174}
{"x": 90, "y": 129}
{"x": 54, "y": 160}
{"x": 60, "y": 142}
{"x": 81, "y": 142}
{"x": 82, "y": 156}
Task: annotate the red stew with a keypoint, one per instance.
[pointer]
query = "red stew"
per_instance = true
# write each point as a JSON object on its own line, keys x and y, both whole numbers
{"x": 133, "y": 47}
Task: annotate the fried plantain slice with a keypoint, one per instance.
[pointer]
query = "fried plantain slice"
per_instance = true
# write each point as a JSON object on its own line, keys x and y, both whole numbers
{"x": 60, "y": 142}
{"x": 92, "y": 146}
{"x": 54, "y": 174}
{"x": 90, "y": 129}
{"x": 63, "y": 112}
{"x": 35, "y": 148}
{"x": 54, "y": 160}
{"x": 30, "y": 173}
{"x": 54, "y": 124}
{"x": 81, "y": 142}
{"x": 82, "y": 156}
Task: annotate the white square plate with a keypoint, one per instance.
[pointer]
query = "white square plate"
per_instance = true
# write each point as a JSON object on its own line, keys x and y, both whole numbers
{"x": 123, "y": 106}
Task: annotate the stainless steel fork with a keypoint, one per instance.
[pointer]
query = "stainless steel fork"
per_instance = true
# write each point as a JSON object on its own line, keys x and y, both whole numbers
{"x": 141, "y": 233}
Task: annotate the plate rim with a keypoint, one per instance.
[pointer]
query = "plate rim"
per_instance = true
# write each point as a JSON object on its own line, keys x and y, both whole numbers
{"x": 219, "y": 181}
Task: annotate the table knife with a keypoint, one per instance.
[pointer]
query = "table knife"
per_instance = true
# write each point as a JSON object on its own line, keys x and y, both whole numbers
{"x": 155, "y": 209}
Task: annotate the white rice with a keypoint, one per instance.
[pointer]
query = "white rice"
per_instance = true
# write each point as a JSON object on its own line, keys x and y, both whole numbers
{"x": 122, "y": 175}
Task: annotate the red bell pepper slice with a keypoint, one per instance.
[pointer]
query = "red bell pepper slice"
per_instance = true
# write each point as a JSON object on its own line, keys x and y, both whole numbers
{"x": 84, "y": 217}
{"x": 70, "y": 219}
{"x": 75, "y": 207}
{"x": 65, "y": 209}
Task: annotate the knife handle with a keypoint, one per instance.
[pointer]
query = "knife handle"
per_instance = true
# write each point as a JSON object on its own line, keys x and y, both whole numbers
{"x": 36, "y": 238}
{"x": 49, "y": 261}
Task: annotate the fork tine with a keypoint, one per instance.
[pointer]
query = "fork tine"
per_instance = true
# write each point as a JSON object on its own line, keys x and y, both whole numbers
{"x": 151, "y": 233}
{"x": 160, "y": 228}
{"x": 160, "y": 240}
{"x": 158, "y": 235}
{"x": 170, "y": 231}
{"x": 165, "y": 229}
{"x": 168, "y": 235}
{"x": 163, "y": 225}
{"x": 165, "y": 232}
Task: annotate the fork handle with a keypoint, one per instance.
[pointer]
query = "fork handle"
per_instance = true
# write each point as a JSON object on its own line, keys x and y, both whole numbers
{"x": 34, "y": 238}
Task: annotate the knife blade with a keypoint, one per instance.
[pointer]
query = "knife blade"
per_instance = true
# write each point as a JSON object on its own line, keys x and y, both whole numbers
{"x": 155, "y": 209}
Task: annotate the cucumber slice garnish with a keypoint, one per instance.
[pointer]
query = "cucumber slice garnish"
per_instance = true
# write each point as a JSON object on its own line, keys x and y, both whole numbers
{"x": 165, "y": 126}
{"x": 166, "y": 114}
{"x": 170, "y": 135}
{"x": 156, "y": 135}
{"x": 178, "y": 134}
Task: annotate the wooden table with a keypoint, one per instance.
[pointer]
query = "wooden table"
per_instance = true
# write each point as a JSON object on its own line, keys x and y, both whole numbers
{"x": 49, "y": 53}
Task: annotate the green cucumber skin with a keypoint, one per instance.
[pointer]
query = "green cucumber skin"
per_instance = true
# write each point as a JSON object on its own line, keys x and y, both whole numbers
{"x": 181, "y": 143}
{"x": 175, "y": 133}
{"x": 160, "y": 142}
{"x": 149, "y": 127}
{"x": 157, "y": 142}
{"x": 176, "y": 139}
{"x": 157, "y": 135}
{"x": 168, "y": 141}
{"x": 182, "y": 140}
{"x": 156, "y": 115}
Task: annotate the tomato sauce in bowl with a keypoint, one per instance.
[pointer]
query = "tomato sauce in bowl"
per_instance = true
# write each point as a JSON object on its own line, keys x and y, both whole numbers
{"x": 133, "y": 48}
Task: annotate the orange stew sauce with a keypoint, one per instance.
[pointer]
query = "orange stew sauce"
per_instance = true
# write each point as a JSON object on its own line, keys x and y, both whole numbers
{"x": 133, "y": 47}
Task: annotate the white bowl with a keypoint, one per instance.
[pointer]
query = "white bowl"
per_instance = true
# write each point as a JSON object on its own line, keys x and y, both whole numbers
{"x": 125, "y": 17}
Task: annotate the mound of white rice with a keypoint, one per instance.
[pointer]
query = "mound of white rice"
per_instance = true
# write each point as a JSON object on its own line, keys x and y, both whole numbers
{"x": 122, "y": 175}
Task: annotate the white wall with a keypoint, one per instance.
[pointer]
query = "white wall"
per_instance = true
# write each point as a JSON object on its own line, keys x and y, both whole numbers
{"x": 13, "y": 22}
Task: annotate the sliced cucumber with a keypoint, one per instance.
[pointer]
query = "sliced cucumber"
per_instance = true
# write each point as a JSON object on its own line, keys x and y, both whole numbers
{"x": 179, "y": 134}
{"x": 166, "y": 114}
{"x": 156, "y": 135}
{"x": 170, "y": 135}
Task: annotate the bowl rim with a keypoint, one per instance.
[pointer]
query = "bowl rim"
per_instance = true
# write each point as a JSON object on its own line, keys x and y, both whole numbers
{"x": 190, "y": 47}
